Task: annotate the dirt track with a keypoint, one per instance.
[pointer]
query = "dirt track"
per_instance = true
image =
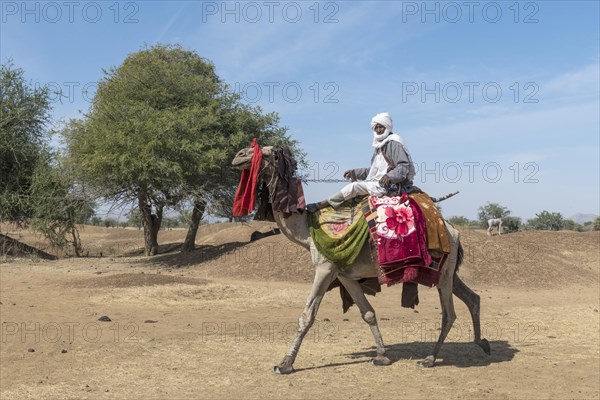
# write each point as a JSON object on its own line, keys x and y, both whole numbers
{"x": 212, "y": 324}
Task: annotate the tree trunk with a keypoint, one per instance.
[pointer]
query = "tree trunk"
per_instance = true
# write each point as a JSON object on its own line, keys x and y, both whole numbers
{"x": 190, "y": 237}
{"x": 149, "y": 222}
{"x": 76, "y": 241}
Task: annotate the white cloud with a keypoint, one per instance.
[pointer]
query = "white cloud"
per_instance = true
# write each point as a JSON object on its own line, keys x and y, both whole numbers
{"x": 581, "y": 78}
{"x": 582, "y": 83}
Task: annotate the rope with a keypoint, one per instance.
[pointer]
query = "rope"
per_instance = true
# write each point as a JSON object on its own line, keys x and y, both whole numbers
{"x": 336, "y": 180}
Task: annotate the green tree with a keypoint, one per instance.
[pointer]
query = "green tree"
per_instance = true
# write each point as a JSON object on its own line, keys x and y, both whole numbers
{"x": 546, "y": 221}
{"x": 460, "y": 221}
{"x": 162, "y": 129}
{"x": 24, "y": 115}
{"x": 597, "y": 224}
{"x": 491, "y": 210}
{"x": 57, "y": 204}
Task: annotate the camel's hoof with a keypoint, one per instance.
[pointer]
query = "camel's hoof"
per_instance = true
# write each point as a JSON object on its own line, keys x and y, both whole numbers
{"x": 283, "y": 370}
{"x": 485, "y": 346}
{"x": 427, "y": 363}
{"x": 284, "y": 367}
{"x": 380, "y": 360}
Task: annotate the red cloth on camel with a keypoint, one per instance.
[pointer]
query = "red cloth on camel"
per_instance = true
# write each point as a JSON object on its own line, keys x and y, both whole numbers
{"x": 245, "y": 196}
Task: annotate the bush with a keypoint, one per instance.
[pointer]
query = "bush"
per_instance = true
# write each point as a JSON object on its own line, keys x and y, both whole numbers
{"x": 546, "y": 221}
{"x": 571, "y": 225}
{"x": 511, "y": 224}
{"x": 110, "y": 223}
{"x": 460, "y": 221}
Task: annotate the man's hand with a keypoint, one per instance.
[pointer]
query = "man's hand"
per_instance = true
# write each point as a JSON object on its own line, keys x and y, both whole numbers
{"x": 350, "y": 175}
{"x": 385, "y": 181}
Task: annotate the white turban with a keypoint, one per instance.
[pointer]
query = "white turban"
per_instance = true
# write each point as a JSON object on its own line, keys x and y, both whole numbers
{"x": 384, "y": 119}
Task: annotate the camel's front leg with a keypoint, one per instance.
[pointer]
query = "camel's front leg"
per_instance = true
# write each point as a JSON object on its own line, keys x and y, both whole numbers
{"x": 325, "y": 274}
{"x": 368, "y": 315}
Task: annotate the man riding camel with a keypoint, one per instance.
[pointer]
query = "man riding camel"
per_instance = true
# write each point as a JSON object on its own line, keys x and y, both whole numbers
{"x": 391, "y": 170}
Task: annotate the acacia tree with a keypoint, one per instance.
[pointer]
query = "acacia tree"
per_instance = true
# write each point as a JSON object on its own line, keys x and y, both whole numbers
{"x": 24, "y": 115}
{"x": 151, "y": 117}
{"x": 158, "y": 132}
{"x": 34, "y": 188}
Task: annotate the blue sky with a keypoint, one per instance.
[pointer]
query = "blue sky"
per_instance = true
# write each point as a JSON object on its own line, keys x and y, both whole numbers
{"x": 499, "y": 100}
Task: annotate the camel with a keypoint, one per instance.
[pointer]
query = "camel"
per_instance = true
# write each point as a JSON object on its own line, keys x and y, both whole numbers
{"x": 295, "y": 227}
{"x": 494, "y": 222}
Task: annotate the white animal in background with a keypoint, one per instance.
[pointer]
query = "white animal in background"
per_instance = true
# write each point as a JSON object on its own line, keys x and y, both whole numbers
{"x": 492, "y": 222}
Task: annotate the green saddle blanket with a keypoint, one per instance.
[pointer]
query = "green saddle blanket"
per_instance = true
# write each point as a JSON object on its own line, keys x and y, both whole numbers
{"x": 339, "y": 234}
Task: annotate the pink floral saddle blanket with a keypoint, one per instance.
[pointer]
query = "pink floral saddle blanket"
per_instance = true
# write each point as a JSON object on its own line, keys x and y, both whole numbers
{"x": 398, "y": 238}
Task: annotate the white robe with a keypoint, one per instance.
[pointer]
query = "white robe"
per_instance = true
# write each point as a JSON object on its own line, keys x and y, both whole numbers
{"x": 371, "y": 185}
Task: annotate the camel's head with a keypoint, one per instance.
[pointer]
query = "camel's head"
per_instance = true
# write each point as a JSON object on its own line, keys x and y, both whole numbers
{"x": 275, "y": 174}
{"x": 243, "y": 158}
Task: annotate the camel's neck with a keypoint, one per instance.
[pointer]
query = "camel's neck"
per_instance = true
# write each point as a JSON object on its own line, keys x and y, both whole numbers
{"x": 294, "y": 227}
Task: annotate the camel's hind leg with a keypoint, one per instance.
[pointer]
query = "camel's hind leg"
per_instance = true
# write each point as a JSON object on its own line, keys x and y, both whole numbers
{"x": 324, "y": 275}
{"x": 448, "y": 317}
{"x": 471, "y": 299}
{"x": 368, "y": 315}
{"x": 445, "y": 292}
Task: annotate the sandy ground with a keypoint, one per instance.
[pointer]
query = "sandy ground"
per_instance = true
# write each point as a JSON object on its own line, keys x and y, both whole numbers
{"x": 211, "y": 325}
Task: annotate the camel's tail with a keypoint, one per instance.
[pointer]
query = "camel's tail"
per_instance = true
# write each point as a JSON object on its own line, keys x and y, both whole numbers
{"x": 438, "y": 199}
{"x": 459, "y": 257}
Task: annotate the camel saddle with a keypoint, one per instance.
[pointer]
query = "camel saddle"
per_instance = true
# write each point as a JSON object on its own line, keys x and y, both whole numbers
{"x": 337, "y": 232}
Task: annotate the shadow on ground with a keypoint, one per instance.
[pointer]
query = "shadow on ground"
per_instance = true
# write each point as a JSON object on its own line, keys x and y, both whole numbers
{"x": 13, "y": 248}
{"x": 459, "y": 354}
{"x": 170, "y": 255}
{"x": 462, "y": 355}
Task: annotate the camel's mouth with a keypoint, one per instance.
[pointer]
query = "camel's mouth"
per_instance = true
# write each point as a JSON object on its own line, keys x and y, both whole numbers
{"x": 241, "y": 165}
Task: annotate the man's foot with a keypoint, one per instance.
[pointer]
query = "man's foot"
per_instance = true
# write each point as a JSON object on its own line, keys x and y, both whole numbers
{"x": 314, "y": 207}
